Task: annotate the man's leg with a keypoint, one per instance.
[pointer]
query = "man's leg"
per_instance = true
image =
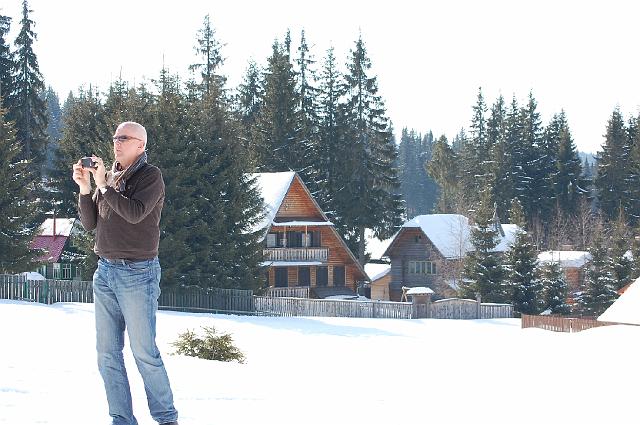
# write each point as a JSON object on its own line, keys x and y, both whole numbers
{"x": 110, "y": 327}
{"x": 138, "y": 292}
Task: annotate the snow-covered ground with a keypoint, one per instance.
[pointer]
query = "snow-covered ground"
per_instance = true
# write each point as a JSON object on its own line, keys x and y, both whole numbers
{"x": 329, "y": 371}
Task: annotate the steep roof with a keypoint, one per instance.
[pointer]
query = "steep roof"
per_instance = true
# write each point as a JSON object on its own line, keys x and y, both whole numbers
{"x": 565, "y": 258}
{"x": 53, "y": 245}
{"x": 273, "y": 188}
{"x": 625, "y": 309}
{"x": 451, "y": 234}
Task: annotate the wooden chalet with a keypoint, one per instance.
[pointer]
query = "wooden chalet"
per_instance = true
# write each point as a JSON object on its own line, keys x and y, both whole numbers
{"x": 301, "y": 246}
{"x": 428, "y": 251}
{"x": 58, "y": 257}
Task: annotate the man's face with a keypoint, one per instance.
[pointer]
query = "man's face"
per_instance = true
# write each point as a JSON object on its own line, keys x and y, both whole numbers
{"x": 127, "y": 144}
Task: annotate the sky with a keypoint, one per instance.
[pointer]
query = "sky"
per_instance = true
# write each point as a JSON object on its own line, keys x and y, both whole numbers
{"x": 430, "y": 57}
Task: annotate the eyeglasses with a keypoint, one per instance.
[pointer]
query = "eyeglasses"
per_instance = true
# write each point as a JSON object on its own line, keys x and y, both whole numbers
{"x": 124, "y": 138}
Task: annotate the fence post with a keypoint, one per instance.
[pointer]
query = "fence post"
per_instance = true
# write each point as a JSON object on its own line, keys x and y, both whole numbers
{"x": 478, "y": 305}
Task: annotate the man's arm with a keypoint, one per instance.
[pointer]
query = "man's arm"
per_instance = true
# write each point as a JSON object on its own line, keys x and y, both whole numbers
{"x": 149, "y": 190}
{"x": 88, "y": 211}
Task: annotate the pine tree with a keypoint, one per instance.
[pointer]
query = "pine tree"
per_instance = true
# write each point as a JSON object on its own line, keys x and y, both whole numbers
{"x": 556, "y": 289}
{"x": 474, "y": 155}
{"x": 26, "y": 107}
{"x": 332, "y": 145}
{"x": 208, "y": 49}
{"x": 500, "y": 169}
{"x": 523, "y": 282}
{"x": 248, "y": 102}
{"x": 599, "y": 281}
{"x": 418, "y": 188}
{"x": 531, "y": 176}
{"x": 568, "y": 168}
{"x": 280, "y": 145}
{"x": 443, "y": 168}
{"x": 16, "y": 211}
{"x": 620, "y": 247}
{"x": 309, "y": 110}
{"x": 613, "y": 168}
{"x": 482, "y": 268}
{"x": 371, "y": 158}
{"x": 54, "y": 130}
{"x": 6, "y": 62}
{"x": 633, "y": 178}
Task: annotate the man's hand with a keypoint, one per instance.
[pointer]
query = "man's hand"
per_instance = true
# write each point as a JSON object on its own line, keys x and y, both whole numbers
{"x": 99, "y": 173}
{"x": 81, "y": 177}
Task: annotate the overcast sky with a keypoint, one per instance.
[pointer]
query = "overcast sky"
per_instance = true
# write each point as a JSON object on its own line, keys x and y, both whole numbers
{"x": 430, "y": 57}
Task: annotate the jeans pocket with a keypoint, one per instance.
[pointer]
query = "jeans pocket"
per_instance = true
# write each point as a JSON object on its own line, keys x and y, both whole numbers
{"x": 139, "y": 265}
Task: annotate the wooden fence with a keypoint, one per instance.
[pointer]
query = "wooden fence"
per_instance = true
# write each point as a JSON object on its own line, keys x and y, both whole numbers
{"x": 465, "y": 309}
{"x": 287, "y": 306}
{"x": 213, "y": 300}
{"x": 561, "y": 324}
{"x": 45, "y": 291}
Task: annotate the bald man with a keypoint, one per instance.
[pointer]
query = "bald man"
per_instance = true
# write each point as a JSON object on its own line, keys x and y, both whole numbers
{"x": 125, "y": 213}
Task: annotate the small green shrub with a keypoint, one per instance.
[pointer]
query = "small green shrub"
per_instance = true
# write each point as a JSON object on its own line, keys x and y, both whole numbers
{"x": 212, "y": 347}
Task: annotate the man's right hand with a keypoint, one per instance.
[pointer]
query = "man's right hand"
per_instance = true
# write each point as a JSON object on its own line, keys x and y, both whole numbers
{"x": 81, "y": 177}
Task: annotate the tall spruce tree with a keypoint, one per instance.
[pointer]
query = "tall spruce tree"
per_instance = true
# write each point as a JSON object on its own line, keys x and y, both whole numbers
{"x": 371, "y": 158}
{"x": 531, "y": 177}
{"x": 483, "y": 270}
{"x": 566, "y": 180}
{"x": 278, "y": 127}
{"x": 500, "y": 168}
{"x": 555, "y": 287}
{"x": 619, "y": 250}
{"x": 208, "y": 51}
{"x": 54, "y": 128}
{"x": 524, "y": 285}
{"x": 6, "y": 62}
{"x": 613, "y": 168}
{"x": 332, "y": 145}
{"x": 16, "y": 210}
{"x": 475, "y": 154}
{"x": 248, "y": 102}
{"x": 444, "y": 169}
{"x": 26, "y": 106}
{"x": 599, "y": 291}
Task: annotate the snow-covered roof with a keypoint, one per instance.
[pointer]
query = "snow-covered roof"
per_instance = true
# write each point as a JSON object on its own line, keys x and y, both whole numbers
{"x": 625, "y": 309}
{"x": 419, "y": 290}
{"x": 375, "y": 271}
{"x": 451, "y": 233}
{"x": 565, "y": 258}
{"x": 375, "y": 246}
{"x": 273, "y": 188}
{"x": 63, "y": 227}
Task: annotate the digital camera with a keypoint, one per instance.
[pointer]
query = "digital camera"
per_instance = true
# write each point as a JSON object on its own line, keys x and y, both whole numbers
{"x": 88, "y": 162}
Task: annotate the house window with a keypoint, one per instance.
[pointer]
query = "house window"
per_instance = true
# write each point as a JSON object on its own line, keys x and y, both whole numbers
{"x": 338, "y": 276}
{"x": 66, "y": 271}
{"x": 56, "y": 270}
{"x": 78, "y": 274}
{"x": 272, "y": 240}
{"x": 422, "y": 267}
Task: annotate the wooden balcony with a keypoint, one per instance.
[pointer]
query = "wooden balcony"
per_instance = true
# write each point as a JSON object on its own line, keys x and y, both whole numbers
{"x": 296, "y": 254}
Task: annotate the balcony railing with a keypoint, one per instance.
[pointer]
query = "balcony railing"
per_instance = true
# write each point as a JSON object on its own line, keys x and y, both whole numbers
{"x": 296, "y": 254}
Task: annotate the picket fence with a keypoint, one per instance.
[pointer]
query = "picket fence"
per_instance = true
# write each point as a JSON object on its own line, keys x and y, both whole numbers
{"x": 233, "y": 301}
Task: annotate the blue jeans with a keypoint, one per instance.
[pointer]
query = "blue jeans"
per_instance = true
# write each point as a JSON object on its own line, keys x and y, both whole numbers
{"x": 126, "y": 296}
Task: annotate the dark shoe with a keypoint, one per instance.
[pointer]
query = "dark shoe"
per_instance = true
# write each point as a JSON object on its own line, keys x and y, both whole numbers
{"x": 171, "y": 423}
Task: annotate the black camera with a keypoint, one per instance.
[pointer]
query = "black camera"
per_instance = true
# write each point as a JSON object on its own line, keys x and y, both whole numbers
{"x": 88, "y": 162}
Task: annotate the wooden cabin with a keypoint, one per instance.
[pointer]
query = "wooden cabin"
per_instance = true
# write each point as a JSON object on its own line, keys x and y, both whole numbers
{"x": 429, "y": 250}
{"x": 301, "y": 246}
{"x": 59, "y": 258}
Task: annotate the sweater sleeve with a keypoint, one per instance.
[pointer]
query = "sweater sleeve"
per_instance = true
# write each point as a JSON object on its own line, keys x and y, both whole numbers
{"x": 149, "y": 190}
{"x": 88, "y": 210}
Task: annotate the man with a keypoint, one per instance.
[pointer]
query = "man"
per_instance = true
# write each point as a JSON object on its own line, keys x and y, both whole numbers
{"x": 125, "y": 213}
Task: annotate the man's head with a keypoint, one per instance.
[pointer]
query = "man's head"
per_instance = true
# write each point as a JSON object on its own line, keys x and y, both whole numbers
{"x": 129, "y": 141}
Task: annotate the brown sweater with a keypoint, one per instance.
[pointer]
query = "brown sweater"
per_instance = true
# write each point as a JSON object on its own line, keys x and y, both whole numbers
{"x": 127, "y": 224}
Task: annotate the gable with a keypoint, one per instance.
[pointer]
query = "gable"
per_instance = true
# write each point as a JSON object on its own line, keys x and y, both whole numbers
{"x": 412, "y": 242}
{"x": 298, "y": 204}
